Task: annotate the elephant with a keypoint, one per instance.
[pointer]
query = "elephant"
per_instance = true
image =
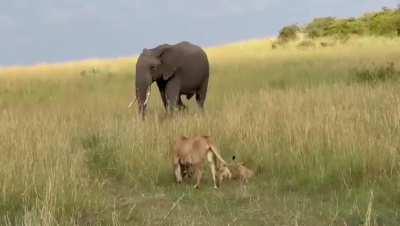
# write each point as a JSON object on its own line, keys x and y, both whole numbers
{"x": 180, "y": 69}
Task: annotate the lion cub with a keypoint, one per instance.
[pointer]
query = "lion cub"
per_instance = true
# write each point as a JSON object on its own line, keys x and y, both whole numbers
{"x": 190, "y": 155}
{"x": 238, "y": 172}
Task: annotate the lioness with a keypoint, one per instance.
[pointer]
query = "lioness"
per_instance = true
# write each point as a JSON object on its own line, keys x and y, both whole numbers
{"x": 190, "y": 155}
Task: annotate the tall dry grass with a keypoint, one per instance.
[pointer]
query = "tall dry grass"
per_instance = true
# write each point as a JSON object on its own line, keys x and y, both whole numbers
{"x": 72, "y": 153}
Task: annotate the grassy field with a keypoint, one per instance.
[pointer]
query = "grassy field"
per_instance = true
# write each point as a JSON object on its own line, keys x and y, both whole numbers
{"x": 321, "y": 136}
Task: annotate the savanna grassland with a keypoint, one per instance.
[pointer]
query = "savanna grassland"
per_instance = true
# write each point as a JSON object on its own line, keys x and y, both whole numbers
{"x": 319, "y": 125}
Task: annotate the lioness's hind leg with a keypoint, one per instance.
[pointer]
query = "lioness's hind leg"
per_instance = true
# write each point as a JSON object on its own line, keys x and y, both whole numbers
{"x": 210, "y": 159}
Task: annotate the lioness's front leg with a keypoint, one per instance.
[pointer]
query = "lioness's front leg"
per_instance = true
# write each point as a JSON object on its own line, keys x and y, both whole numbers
{"x": 199, "y": 173}
{"x": 178, "y": 173}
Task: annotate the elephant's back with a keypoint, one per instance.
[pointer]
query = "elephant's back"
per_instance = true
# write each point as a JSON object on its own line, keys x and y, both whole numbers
{"x": 190, "y": 49}
{"x": 194, "y": 58}
{"x": 194, "y": 67}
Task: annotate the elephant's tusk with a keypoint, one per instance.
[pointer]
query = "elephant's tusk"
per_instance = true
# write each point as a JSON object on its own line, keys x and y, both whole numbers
{"x": 130, "y": 104}
{"x": 147, "y": 97}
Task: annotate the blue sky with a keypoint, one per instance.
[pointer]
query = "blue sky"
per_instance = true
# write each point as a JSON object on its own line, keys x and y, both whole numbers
{"x": 65, "y": 30}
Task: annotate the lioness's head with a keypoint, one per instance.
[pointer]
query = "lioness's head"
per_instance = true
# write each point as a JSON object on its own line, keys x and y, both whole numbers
{"x": 187, "y": 170}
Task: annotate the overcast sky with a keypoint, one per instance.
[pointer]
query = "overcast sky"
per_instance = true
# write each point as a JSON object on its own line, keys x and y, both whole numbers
{"x": 38, "y": 31}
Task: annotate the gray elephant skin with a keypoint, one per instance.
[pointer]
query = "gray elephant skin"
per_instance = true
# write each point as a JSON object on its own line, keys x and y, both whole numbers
{"x": 179, "y": 70}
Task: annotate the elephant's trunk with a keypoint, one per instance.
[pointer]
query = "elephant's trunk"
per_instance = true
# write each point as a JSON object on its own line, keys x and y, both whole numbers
{"x": 142, "y": 95}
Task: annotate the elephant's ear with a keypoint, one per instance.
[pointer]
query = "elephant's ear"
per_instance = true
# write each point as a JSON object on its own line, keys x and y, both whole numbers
{"x": 160, "y": 50}
{"x": 167, "y": 70}
{"x": 168, "y": 65}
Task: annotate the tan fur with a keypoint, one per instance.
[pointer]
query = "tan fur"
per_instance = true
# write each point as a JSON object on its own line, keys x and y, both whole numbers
{"x": 191, "y": 154}
{"x": 243, "y": 173}
{"x": 238, "y": 172}
{"x": 224, "y": 174}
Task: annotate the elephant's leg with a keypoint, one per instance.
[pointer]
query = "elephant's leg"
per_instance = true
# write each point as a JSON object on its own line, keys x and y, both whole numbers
{"x": 201, "y": 94}
{"x": 181, "y": 106}
{"x": 172, "y": 94}
{"x": 161, "y": 87}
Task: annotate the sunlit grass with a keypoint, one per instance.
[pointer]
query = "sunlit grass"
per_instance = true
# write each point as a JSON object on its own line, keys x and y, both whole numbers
{"x": 73, "y": 154}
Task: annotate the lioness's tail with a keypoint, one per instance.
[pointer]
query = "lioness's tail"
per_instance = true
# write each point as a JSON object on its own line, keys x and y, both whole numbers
{"x": 215, "y": 151}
